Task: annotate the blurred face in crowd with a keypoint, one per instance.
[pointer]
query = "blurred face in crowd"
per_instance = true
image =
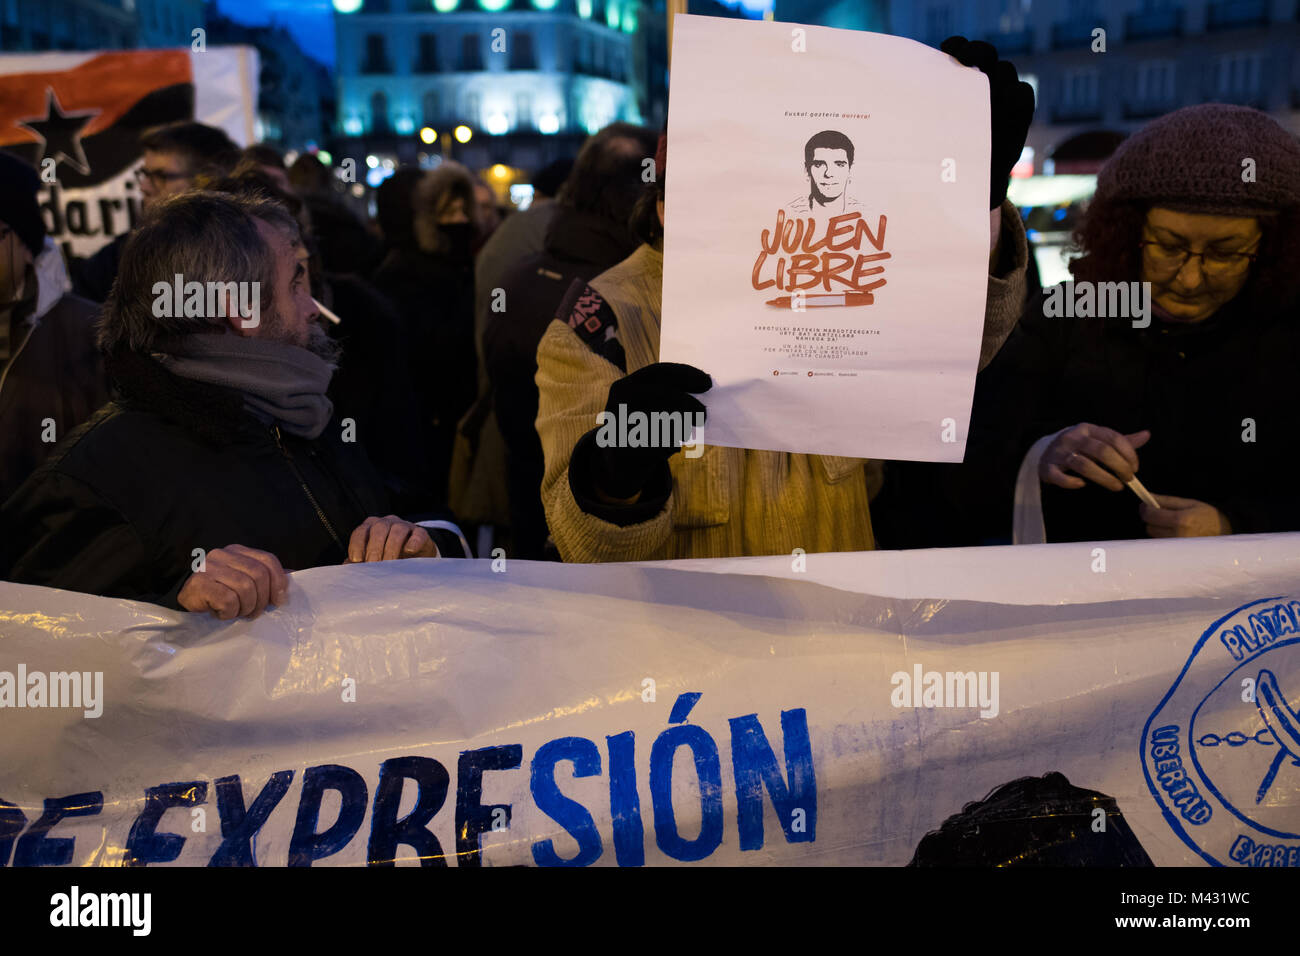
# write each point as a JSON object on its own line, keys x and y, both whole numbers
{"x": 14, "y": 260}
{"x": 488, "y": 216}
{"x": 293, "y": 316}
{"x": 162, "y": 175}
{"x": 452, "y": 211}
{"x": 1194, "y": 289}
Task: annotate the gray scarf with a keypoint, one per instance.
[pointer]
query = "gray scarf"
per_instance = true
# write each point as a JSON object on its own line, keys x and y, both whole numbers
{"x": 280, "y": 383}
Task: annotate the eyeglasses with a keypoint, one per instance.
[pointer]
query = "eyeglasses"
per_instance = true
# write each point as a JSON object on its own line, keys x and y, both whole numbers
{"x": 157, "y": 176}
{"x": 1167, "y": 258}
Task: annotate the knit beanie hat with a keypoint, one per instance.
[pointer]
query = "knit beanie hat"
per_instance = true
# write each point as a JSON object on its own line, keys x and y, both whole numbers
{"x": 18, "y": 208}
{"x": 1192, "y": 160}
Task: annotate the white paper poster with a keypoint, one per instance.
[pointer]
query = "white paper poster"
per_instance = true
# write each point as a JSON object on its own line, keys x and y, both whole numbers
{"x": 826, "y": 237}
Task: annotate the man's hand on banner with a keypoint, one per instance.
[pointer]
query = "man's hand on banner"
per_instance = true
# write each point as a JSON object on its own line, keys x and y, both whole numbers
{"x": 1011, "y": 108}
{"x": 389, "y": 538}
{"x": 1094, "y": 452}
{"x": 235, "y": 582}
{"x": 1183, "y": 518}
{"x": 622, "y": 471}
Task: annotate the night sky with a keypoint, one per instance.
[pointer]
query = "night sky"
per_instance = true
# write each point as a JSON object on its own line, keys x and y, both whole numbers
{"x": 310, "y": 21}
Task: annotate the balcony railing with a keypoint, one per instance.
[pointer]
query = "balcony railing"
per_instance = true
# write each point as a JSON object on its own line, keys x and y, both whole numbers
{"x": 1015, "y": 42}
{"x": 1230, "y": 14}
{"x": 1152, "y": 26}
{"x": 1075, "y": 33}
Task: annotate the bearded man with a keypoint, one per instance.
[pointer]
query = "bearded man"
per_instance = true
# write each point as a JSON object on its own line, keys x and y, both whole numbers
{"x": 220, "y": 462}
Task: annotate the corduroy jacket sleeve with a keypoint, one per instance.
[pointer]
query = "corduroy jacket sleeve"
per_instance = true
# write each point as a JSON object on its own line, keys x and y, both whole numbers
{"x": 573, "y": 384}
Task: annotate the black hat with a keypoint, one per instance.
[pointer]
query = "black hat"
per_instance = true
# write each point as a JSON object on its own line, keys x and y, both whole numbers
{"x": 18, "y": 209}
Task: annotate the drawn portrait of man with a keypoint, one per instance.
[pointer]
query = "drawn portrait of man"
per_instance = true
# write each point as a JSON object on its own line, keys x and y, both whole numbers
{"x": 828, "y": 166}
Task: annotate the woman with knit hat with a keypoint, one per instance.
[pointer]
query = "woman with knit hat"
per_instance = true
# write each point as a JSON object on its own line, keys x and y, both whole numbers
{"x": 1196, "y": 399}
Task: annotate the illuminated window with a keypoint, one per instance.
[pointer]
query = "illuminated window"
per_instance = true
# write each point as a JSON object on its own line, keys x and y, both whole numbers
{"x": 428, "y": 56}
{"x": 379, "y": 113}
{"x": 432, "y": 104}
{"x": 521, "y": 52}
{"x": 471, "y": 57}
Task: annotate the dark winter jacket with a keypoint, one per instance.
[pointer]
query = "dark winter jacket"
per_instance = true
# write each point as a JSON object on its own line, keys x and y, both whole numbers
{"x": 434, "y": 297}
{"x": 1218, "y": 397}
{"x": 170, "y": 466}
{"x": 578, "y": 246}
{"x": 55, "y": 377}
{"x": 93, "y": 277}
{"x": 373, "y": 388}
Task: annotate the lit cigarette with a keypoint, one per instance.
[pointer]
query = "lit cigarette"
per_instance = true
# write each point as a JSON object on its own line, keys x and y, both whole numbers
{"x": 1137, "y": 488}
{"x": 327, "y": 313}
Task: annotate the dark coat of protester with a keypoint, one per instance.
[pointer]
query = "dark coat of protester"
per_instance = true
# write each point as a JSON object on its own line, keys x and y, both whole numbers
{"x": 578, "y": 246}
{"x": 433, "y": 291}
{"x": 373, "y": 388}
{"x": 172, "y": 465}
{"x": 1194, "y": 386}
{"x": 54, "y": 372}
{"x": 92, "y": 277}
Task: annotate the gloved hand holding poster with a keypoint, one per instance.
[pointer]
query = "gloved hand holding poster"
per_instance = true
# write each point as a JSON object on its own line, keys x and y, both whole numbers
{"x": 826, "y": 237}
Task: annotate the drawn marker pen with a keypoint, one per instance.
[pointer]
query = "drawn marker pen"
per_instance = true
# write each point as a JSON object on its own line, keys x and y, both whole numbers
{"x": 821, "y": 301}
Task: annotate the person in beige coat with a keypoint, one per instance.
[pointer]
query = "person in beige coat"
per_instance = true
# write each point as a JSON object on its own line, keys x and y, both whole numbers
{"x": 726, "y": 502}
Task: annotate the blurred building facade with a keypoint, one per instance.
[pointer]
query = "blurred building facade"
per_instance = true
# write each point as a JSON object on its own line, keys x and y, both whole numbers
{"x": 529, "y": 78}
{"x": 39, "y": 26}
{"x": 295, "y": 98}
{"x": 1157, "y": 56}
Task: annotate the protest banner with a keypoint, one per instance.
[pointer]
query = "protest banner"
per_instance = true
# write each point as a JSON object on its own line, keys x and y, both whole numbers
{"x": 77, "y": 117}
{"x": 826, "y": 237}
{"x": 494, "y": 713}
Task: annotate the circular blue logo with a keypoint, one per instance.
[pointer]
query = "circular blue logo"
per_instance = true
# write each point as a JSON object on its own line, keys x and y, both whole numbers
{"x": 1221, "y": 753}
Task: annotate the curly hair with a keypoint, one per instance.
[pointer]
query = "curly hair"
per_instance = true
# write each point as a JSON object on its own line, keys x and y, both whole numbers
{"x": 1110, "y": 231}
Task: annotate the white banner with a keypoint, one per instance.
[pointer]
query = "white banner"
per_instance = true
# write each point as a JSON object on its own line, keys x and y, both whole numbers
{"x": 77, "y": 117}
{"x": 496, "y": 713}
{"x": 826, "y": 237}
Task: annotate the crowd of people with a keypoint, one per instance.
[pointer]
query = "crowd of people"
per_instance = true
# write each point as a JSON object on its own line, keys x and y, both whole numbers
{"x": 392, "y": 383}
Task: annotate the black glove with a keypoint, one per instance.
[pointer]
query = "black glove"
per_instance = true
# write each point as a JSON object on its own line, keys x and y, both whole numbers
{"x": 621, "y": 472}
{"x": 1011, "y": 107}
